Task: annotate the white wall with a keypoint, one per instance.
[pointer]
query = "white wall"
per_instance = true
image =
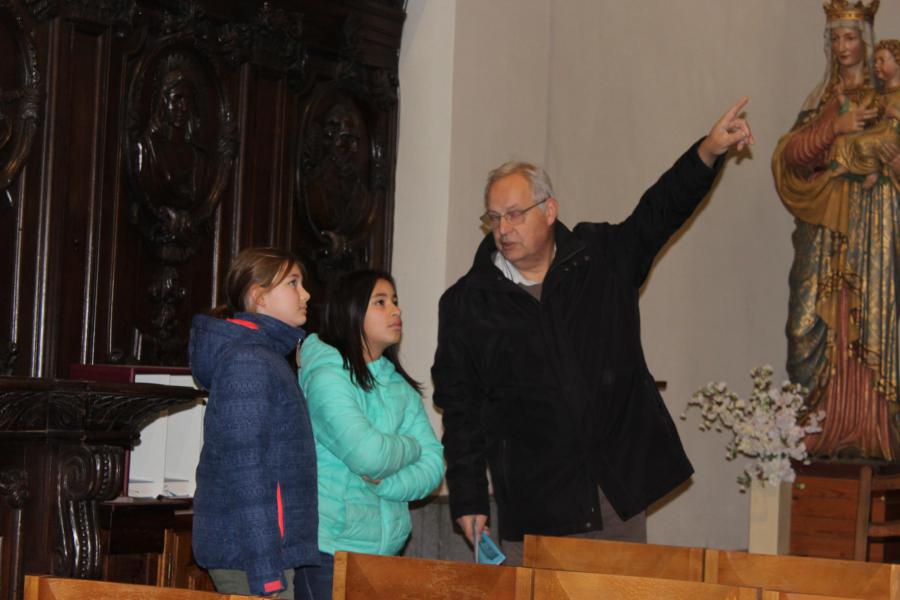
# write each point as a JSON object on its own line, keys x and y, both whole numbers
{"x": 500, "y": 104}
{"x": 633, "y": 87}
{"x": 422, "y": 200}
{"x": 458, "y": 113}
{"x": 607, "y": 95}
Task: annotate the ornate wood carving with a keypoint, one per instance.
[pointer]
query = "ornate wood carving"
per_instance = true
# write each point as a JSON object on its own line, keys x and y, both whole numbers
{"x": 334, "y": 183}
{"x": 292, "y": 114}
{"x": 67, "y": 438}
{"x": 20, "y": 97}
{"x": 86, "y": 274}
{"x": 181, "y": 140}
{"x": 274, "y": 40}
{"x": 85, "y": 476}
{"x": 8, "y": 358}
{"x": 93, "y": 407}
{"x": 14, "y": 487}
{"x": 101, "y": 12}
{"x": 342, "y": 174}
{"x": 243, "y": 76}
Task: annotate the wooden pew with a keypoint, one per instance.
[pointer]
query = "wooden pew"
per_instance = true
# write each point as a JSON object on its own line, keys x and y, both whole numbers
{"x": 41, "y": 587}
{"x": 801, "y": 574}
{"x": 369, "y": 577}
{"x": 615, "y": 558}
{"x": 776, "y": 595}
{"x": 571, "y": 585}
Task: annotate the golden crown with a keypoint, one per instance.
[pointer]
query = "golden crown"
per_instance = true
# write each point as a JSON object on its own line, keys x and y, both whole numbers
{"x": 850, "y": 10}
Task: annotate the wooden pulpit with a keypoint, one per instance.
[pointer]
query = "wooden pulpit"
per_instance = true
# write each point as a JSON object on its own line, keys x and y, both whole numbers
{"x": 62, "y": 445}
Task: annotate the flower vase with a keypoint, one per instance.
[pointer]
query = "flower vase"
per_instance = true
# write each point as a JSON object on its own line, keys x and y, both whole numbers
{"x": 770, "y": 518}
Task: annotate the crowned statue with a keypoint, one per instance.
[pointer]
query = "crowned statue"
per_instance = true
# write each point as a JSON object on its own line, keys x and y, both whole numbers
{"x": 837, "y": 171}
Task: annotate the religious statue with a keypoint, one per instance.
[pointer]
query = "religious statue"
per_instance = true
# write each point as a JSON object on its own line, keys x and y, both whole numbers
{"x": 836, "y": 172}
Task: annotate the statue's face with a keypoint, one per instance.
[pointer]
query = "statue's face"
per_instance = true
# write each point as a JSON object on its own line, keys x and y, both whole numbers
{"x": 886, "y": 67}
{"x": 342, "y": 130}
{"x": 179, "y": 103}
{"x": 847, "y": 46}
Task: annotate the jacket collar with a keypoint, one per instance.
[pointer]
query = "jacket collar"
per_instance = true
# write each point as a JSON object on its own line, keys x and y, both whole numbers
{"x": 483, "y": 270}
{"x": 212, "y": 337}
{"x": 278, "y": 335}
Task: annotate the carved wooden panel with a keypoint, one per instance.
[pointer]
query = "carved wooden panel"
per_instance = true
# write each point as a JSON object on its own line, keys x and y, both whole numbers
{"x": 62, "y": 453}
{"x": 143, "y": 143}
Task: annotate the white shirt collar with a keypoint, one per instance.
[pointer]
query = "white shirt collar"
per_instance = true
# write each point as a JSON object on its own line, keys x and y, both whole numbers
{"x": 510, "y": 271}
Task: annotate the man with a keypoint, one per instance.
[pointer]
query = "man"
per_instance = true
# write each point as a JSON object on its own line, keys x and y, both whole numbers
{"x": 539, "y": 368}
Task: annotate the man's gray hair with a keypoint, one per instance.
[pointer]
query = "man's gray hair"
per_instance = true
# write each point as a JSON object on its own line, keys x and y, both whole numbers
{"x": 541, "y": 187}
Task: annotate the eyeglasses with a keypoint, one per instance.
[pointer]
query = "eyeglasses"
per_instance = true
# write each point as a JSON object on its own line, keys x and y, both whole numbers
{"x": 491, "y": 220}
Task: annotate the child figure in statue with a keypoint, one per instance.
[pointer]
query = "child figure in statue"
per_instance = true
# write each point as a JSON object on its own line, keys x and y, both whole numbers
{"x": 860, "y": 153}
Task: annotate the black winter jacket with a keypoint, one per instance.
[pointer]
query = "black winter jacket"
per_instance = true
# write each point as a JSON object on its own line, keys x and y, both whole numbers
{"x": 555, "y": 396}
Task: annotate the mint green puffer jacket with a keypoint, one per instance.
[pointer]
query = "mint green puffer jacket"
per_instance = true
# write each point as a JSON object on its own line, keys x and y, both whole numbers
{"x": 383, "y": 434}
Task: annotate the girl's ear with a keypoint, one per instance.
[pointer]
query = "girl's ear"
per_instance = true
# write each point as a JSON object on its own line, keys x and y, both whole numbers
{"x": 256, "y": 297}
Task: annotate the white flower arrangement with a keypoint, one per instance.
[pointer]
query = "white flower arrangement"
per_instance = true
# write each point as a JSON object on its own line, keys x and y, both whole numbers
{"x": 768, "y": 427}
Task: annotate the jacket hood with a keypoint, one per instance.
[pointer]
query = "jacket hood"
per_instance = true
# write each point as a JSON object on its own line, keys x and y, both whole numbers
{"x": 212, "y": 337}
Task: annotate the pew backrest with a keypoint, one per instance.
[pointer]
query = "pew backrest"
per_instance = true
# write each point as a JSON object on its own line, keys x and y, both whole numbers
{"x": 776, "y": 595}
{"x": 571, "y": 585}
{"x": 368, "y": 577}
{"x": 41, "y": 587}
{"x": 612, "y": 557}
{"x": 801, "y": 574}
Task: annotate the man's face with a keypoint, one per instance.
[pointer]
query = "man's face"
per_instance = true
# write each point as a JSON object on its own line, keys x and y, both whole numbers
{"x": 527, "y": 243}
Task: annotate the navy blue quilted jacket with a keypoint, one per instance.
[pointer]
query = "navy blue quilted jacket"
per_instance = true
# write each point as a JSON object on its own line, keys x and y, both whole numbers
{"x": 255, "y": 504}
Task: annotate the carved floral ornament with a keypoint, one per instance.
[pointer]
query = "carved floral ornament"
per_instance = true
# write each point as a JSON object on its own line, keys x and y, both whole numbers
{"x": 20, "y": 99}
{"x": 14, "y": 487}
{"x": 274, "y": 40}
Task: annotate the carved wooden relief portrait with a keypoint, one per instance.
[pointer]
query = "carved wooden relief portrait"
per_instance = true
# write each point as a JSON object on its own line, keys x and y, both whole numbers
{"x": 180, "y": 142}
{"x": 337, "y": 187}
{"x": 19, "y": 98}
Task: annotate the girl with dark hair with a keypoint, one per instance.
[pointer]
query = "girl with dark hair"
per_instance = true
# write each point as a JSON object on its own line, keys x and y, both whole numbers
{"x": 375, "y": 447}
{"x": 255, "y": 515}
